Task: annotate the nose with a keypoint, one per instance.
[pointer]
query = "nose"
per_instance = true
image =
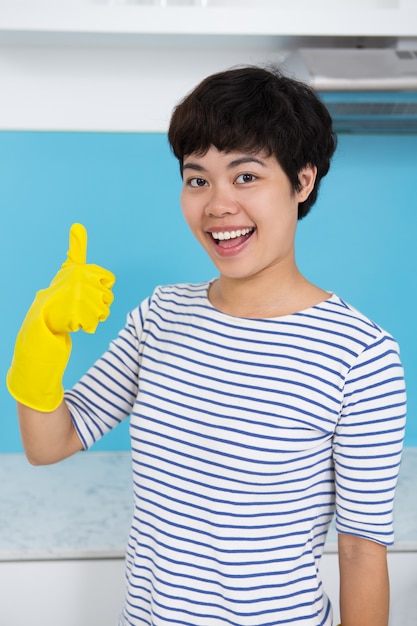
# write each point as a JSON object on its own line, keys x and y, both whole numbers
{"x": 221, "y": 202}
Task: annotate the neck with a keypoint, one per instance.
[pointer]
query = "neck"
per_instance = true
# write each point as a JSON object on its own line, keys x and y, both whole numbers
{"x": 265, "y": 297}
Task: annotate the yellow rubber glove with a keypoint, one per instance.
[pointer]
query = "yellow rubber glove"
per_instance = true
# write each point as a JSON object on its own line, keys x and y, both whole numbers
{"x": 79, "y": 297}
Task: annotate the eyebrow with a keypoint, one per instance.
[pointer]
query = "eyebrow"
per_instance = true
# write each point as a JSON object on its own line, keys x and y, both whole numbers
{"x": 235, "y": 163}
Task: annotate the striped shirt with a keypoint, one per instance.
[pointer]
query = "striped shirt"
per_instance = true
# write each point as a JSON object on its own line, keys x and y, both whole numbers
{"x": 247, "y": 435}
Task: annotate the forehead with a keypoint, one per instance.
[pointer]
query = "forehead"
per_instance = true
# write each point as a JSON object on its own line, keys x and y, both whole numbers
{"x": 229, "y": 159}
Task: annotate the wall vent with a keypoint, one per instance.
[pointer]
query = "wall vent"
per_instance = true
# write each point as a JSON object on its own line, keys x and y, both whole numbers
{"x": 364, "y": 90}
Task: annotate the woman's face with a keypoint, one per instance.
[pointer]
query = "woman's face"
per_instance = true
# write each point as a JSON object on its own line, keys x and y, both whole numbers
{"x": 242, "y": 209}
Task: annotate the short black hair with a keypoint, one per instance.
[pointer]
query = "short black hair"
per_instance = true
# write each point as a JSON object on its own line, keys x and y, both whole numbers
{"x": 257, "y": 109}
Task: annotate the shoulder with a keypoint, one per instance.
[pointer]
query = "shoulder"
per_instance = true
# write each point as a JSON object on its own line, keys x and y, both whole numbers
{"x": 336, "y": 313}
{"x": 181, "y": 291}
{"x": 173, "y": 296}
{"x": 182, "y": 294}
{"x": 349, "y": 335}
{"x": 376, "y": 355}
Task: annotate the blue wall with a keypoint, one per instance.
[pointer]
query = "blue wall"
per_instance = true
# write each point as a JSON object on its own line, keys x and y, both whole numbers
{"x": 359, "y": 241}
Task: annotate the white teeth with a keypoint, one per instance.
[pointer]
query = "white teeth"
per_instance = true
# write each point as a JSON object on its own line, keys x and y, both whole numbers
{"x": 231, "y": 234}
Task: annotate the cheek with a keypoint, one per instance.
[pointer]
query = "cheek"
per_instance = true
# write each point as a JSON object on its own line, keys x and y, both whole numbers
{"x": 190, "y": 215}
{"x": 185, "y": 208}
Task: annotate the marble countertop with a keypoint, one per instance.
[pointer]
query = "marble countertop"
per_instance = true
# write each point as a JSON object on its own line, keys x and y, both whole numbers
{"x": 81, "y": 508}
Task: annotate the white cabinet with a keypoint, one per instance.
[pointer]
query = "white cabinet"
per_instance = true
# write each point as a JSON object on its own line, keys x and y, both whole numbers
{"x": 64, "y": 593}
{"x": 403, "y": 585}
{"x": 122, "y": 65}
{"x": 90, "y": 592}
{"x": 100, "y": 18}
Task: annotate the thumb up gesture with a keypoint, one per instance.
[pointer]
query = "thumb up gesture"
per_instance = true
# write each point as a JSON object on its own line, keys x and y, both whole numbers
{"x": 78, "y": 297}
{"x": 80, "y": 294}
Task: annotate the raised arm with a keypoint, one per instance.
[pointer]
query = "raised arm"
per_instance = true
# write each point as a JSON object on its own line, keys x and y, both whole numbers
{"x": 79, "y": 297}
{"x": 47, "y": 437}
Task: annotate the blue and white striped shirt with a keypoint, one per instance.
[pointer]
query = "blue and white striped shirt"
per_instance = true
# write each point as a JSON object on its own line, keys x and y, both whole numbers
{"x": 247, "y": 435}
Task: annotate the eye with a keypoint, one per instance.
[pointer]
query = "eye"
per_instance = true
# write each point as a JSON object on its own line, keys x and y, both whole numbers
{"x": 245, "y": 178}
{"x": 197, "y": 182}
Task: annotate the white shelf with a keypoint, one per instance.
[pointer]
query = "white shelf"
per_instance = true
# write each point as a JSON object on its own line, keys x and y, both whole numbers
{"x": 389, "y": 19}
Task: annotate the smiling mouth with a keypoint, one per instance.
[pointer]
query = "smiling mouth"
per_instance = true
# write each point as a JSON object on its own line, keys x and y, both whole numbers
{"x": 233, "y": 236}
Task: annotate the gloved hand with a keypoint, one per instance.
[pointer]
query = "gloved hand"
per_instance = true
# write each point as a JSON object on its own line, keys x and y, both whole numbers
{"x": 78, "y": 297}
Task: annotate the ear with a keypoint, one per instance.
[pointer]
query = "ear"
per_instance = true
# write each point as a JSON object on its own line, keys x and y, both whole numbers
{"x": 307, "y": 177}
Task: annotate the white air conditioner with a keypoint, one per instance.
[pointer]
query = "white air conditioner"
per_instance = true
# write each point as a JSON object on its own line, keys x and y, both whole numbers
{"x": 369, "y": 90}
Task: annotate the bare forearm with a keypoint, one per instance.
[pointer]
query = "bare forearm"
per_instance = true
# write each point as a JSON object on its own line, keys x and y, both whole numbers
{"x": 47, "y": 437}
{"x": 364, "y": 582}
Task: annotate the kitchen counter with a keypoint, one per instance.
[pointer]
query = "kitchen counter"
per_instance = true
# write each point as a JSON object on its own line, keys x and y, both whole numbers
{"x": 81, "y": 508}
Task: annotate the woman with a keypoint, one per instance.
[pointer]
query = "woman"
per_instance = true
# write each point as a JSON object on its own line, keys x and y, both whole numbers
{"x": 260, "y": 404}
